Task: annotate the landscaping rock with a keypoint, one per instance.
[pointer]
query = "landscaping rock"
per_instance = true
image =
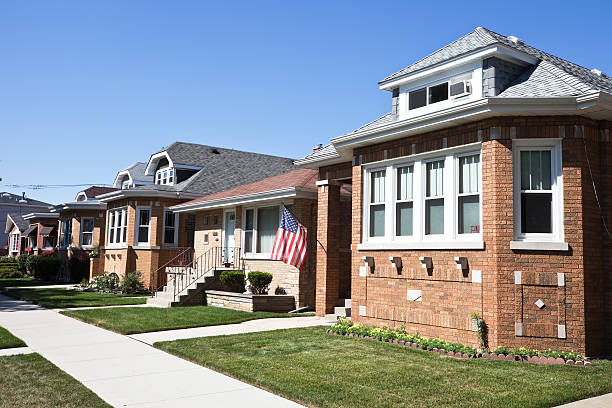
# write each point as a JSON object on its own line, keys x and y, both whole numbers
{"x": 570, "y": 362}
{"x": 451, "y": 353}
{"x": 579, "y": 363}
{"x": 588, "y": 363}
{"x": 550, "y": 360}
{"x": 559, "y": 360}
{"x": 485, "y": 355}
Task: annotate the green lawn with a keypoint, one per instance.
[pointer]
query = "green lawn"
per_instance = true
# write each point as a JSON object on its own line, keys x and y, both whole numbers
{"x": 29, "y": 381}
{"x": 60, "y": 297}
{"x": 7, "y": 340}
{"x": 317, "y": 369}
{"x": 130, "y": 320}
{"x": 8, "y": 282}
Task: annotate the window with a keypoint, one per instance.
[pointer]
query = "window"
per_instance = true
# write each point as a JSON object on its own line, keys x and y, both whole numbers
{"x": 206, "y": 238}
{"x": 460, "y": 88}
{"x": 259, "y": 229}
{"x": 14, "y": 242}
{"x": 417, "y": 99}
{"x": 144, "y": 223}
{"x": 434, "y": 198}
{"x": 164, "y": 176}
{"x": 249, "y": 224}
{"x": 468, "y": 199}
{"x": 267, "y": 225}
{"x": 216, "y": 220}
{"x": 66, "y": 232}
{"x": 170, "y": 228}
{"x": 377, "y": 203}
{"x": 117, "y": 226}
{"x": 87, "y": 228}
{"x": 125, "y": 184}
{"x": 429, "y": 200}
{"x": 206, "y": 220}
{"x": 438, "y": 93}
{"x": 538, "y": 200}
{"x": 403, "y": 206}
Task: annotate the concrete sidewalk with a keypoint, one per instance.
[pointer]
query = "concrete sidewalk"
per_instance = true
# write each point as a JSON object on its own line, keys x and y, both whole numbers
{"x": 246, "y": 327}
{"x": 603, "y": 401}
{"x": 123, "y": 371}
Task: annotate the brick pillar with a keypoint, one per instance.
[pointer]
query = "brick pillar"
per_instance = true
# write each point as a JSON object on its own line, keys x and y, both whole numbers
{"x": 328, "y": 255}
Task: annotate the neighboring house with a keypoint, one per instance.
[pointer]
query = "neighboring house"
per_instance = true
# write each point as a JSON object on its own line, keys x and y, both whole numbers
{"x": 133, "y": 176}
{"x": 143, "y": 234}
{"x": 16, "y": 204}
{"x": 82, "y": 224}
{"x": 15, "y": 226}
{"x": 41, "y": 234}
{"x": 486, "y": 189}
{"x": 243, "y": 222}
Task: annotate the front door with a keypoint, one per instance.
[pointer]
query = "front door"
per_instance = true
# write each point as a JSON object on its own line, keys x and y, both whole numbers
{"x": 229, "y": 242}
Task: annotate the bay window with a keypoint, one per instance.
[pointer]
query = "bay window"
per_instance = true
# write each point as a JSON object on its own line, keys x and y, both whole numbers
{"x": 143, "y": 226}
{"x": 430, "y": 200}
{"x": 66, "y": 232}
{"x": 14, "y": 242}
{"x": 87, "y": 228}
{"x": 117, "y": 226}
{"x": 538, "y": 213}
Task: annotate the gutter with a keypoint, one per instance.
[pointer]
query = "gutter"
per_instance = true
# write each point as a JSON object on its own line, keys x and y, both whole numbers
{"x": 132, "y": 193}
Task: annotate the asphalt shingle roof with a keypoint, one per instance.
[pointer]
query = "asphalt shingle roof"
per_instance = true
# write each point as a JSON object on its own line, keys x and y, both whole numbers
{"x": 137, "y": 173}
{"x": 94, "y": 191}
{"x": 18, "y": 220}
{"x": 9, "y": 198}
{"x": 322, "y": 152}
{"x": 222, "y": 168}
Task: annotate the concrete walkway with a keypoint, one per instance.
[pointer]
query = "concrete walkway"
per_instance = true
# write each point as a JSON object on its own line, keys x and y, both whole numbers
{"x": 15, "y": 350}
{"x": 603, "y": 401}
{"x": 251, "y": 326}
{"x": 122, "y": 371}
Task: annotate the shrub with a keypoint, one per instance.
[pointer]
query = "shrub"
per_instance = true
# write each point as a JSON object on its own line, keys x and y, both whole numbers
{"x": 78, "y": 265}
{"x": 103, "y": 283}
{"x": 30, "y": 264}
{"x": 233, "y": 280}
{"x": 9, "y": 268}
{"x": 259, "y": 282}
{"x": 132, "y": 283}
{"x": 47, "y": 267}
{"x": 22, "y": 261}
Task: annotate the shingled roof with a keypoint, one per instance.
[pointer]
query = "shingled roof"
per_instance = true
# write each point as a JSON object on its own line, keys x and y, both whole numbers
{"x": 482, "y": 37}
{"x": 94, "y": 191}
{"x": 17, "y": 219}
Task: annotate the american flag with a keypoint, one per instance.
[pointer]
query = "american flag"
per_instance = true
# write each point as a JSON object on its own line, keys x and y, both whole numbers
{"x": 290, "y": 242}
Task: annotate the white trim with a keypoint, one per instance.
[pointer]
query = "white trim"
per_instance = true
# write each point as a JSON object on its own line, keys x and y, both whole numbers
{"x": 284, "y": 193}
{"x": 539, "y": 245}
{"x": 254, "y": 254}
{"x": 154, "y": 159}
{"x": 121, "y": 174}
{"x": 40, "y": 215}
{"x": 187, "y": 167}
{"x": 176, "y": 228}
{"x": 93, "y": 220}
{"x": 427, "y": 244}
{"x": 137, "y": 193}
{"x": 119, "y": 239}
{"x": 79, "y": 205}
{"x": 138, "y": 243}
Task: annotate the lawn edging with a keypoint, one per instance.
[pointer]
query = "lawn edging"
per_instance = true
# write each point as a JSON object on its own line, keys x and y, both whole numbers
{"x": 346, "y": 328}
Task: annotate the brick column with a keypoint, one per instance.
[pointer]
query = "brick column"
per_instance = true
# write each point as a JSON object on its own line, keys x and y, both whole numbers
{"x": 328, "y": 246}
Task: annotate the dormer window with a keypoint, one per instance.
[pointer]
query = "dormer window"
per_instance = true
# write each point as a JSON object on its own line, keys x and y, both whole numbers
{"x": 164, "y": 176}
{"x": 453, "y": 89}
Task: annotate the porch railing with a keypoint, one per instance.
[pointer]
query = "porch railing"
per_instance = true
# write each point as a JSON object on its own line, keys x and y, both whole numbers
{"x": 180, "y": 256}
{"x": 181, "y": 277}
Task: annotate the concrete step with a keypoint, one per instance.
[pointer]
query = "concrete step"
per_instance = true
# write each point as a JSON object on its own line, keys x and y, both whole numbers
{"x": 330, "y": 317}
{"x": 164, "y": 295}
{"x": 159, "y": 302}
{"x": 343, "y": 303}
{"x": 342, "y": 311}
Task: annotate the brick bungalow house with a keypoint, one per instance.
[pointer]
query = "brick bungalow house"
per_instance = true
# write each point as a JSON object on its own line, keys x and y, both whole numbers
{"x": 82, "y": 224}
{"x": 143, "y": 234}
{"x": 41, "y": 234}
{"x": 486, "y": 189}
{"x": 15, "y": 226}
{"x": 244, "y": 221}
{"x": 16, "y": 206}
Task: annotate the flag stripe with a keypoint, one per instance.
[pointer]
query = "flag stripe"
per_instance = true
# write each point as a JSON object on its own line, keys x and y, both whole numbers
{"x": 290, "y": 241}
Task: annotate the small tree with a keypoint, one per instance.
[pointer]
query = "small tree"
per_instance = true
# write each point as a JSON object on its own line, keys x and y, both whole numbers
{"x": 259, "y": 282}
{"x": 132, "y": 283}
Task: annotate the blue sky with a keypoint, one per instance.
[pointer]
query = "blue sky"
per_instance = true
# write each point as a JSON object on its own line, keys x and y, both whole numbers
{"x": 89, "y": 87}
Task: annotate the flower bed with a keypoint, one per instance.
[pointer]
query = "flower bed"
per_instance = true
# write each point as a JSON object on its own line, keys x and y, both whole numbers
{"x": 345, "y": 327}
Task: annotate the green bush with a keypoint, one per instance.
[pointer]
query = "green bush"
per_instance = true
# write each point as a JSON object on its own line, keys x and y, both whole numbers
{"x": 22, "y": 261}
{"x": 30, "y": 264}
{"x": 132, "y": 283}
{"x": 104, "y": 283}
{"x": 259, "y": 282}
{"x": 47, "y": 267}
{"x": 233, "y": 280}
{"x": 9, "y": 268}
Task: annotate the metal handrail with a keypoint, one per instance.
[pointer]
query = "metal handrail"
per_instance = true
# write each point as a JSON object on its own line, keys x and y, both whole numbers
{"x": 209, "y": 260}
{"x": 184, "y": 256}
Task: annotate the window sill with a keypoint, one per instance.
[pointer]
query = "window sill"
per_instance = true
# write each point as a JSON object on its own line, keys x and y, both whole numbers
{"x": 539, "y": 245}
{"x": 259, "y": 257}
{"x": 145, "y": 247}
{"x": 123, "y": 246}
{"x": 440, "y": 245}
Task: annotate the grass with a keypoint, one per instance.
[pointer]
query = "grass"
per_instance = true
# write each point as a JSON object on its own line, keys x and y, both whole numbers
{"x": 7, "y": 340}
{"x": 9, "y": 282}
{"x": 64, "y": 298}
{"x": 32, "y": 381}
{"x": 130, "y": 320}
{"x": 317, "y": 369}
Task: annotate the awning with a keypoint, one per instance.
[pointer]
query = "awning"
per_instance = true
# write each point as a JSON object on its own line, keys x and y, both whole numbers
{"x": 45, "y": 231}
{"x": 29, "y": 230}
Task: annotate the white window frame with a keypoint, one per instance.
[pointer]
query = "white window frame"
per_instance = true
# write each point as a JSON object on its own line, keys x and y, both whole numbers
{"x": 64, "y": 223}
{"x": 388, "y": 188}
{"x": 118, "y": 229}
{"x": 467, "y": 236}
{"x": 535, "y": 241}
{"x": 14, "y": 242}
{"x": 137, "y": 226}
{"x": 176, "y": 220}
{"x": 165, "y": 176}
{"x": 254, "y": 254}
{"x": 451, "y": 239}
{"x": 93, "y": 220}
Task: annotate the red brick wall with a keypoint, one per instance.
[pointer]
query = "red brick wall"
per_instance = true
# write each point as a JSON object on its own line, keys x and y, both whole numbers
{"x": 449, "y": 297}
